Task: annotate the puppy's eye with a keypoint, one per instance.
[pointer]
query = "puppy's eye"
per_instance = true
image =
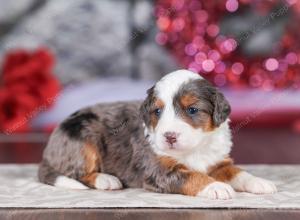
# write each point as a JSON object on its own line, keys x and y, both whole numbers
{"x": 192, "y": 110}
{"x": 157, "y": 111}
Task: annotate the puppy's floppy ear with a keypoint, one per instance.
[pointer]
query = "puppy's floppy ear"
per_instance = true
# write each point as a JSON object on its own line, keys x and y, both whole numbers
{"x": 219, "y": 107}
{"x": 222, "y": 108}
{"x": 146, "y": 106}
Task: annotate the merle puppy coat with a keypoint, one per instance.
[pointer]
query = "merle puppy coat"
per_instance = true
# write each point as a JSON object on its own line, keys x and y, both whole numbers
{"x": 176, "y": 141}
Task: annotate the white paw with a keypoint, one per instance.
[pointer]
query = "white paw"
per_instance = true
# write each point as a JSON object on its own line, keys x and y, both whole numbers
{"x": 107, "y": 182}
{"x": 217, "y": 190}
{"x": 259, "y": 186}
{"x": 245, "y": 182}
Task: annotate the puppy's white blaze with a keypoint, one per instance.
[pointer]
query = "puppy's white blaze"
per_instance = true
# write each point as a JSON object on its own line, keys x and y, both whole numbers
{"x": 66, "y": 182}
{"x": 167, "y": 87}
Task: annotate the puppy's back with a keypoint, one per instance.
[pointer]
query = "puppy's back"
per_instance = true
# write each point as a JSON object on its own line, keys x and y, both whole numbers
{"x": 90, "y": 140}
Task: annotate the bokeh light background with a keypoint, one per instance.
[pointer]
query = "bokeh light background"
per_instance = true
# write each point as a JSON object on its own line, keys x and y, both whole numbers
{"x": 234, "y": 43}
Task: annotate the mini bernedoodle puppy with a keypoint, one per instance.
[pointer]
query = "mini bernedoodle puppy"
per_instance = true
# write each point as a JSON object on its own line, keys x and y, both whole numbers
{"x": 176, "y": 141}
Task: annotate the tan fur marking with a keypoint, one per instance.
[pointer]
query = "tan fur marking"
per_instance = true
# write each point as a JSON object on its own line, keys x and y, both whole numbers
{"x": 194, "y": 182}
{"x": 92, "y": 158}
{"x": 153, "y": 118}
{"x": 224, "y": 171}
{"x": 90, "y": 179}
{"x": 170, "y": 163}
{"x": 189, "y": 100}
{"x": 209, "y": 125}
{"x": 159, "y": 103}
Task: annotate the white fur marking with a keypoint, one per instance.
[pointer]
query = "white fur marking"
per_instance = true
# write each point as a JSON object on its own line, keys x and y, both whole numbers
{"x": 245, "y": 182}
{"x": 213, "y": 149}
{"x": 217, "y": 190}
{"x": 107, "y": 182}
{"x": 170, "y": 84}
{"x": 66, "y": 182}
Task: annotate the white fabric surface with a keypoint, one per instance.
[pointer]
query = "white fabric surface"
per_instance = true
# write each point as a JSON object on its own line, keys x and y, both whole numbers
{"x": 19, "y": 188}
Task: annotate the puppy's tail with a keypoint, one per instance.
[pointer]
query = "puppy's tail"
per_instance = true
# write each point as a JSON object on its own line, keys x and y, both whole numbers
{"x": 48, "y": 175}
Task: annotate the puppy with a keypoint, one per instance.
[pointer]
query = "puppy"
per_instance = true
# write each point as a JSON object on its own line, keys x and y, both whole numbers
{"x": 176, "y": 141}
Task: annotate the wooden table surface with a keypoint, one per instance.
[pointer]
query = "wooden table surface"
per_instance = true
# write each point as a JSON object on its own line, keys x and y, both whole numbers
{"x": 147, "y": 214}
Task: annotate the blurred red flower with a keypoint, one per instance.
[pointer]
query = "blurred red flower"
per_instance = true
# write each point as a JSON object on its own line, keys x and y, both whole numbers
{"x": 28, "y": 87}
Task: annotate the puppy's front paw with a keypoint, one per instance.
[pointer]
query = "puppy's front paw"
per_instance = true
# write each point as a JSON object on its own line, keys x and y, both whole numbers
{"x": 259, "y": 186}
{"x": 107, "y": 182}
{"x": 245, "y": 182}
{"x": 217, "y": 190}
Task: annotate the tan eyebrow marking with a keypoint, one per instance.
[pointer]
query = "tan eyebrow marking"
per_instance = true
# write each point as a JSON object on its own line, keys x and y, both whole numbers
{"x": 188, "y": 100}
{"x": 158, "y": 103}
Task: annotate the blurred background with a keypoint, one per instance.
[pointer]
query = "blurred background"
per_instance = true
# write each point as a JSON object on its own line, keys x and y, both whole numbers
{"x": 58, "y": 56}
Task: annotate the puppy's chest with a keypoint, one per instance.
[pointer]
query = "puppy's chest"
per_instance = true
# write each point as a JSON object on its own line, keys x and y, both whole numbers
{"x": 202, "y": 161}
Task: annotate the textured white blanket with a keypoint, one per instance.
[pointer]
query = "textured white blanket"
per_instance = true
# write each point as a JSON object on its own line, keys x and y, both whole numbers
{"x": 19, "y": 188}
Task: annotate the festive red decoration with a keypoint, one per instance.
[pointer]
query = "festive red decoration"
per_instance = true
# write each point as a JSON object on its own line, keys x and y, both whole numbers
{"x": 28, "y": 87}
{"x": 191, "y": 30}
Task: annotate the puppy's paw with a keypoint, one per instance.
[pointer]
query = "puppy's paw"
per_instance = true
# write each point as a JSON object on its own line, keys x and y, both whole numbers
{"x": 260, "y": 186}
{"x": 245, "y": 182}
{"x": 107, "y": 182}
{"x": 217, "y": 190}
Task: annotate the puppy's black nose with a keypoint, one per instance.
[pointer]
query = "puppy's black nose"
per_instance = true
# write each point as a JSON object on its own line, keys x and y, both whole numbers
{"x": 171, "y": 137}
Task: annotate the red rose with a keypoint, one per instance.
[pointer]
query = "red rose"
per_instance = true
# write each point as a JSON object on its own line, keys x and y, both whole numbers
{"x": 20, "y": 66}
{"x": 13, "y": 112}
{"x": 28, "y": 85}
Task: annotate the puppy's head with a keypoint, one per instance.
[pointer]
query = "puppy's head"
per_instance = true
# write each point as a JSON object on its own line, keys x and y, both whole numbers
{"x": 181, "y": 110}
